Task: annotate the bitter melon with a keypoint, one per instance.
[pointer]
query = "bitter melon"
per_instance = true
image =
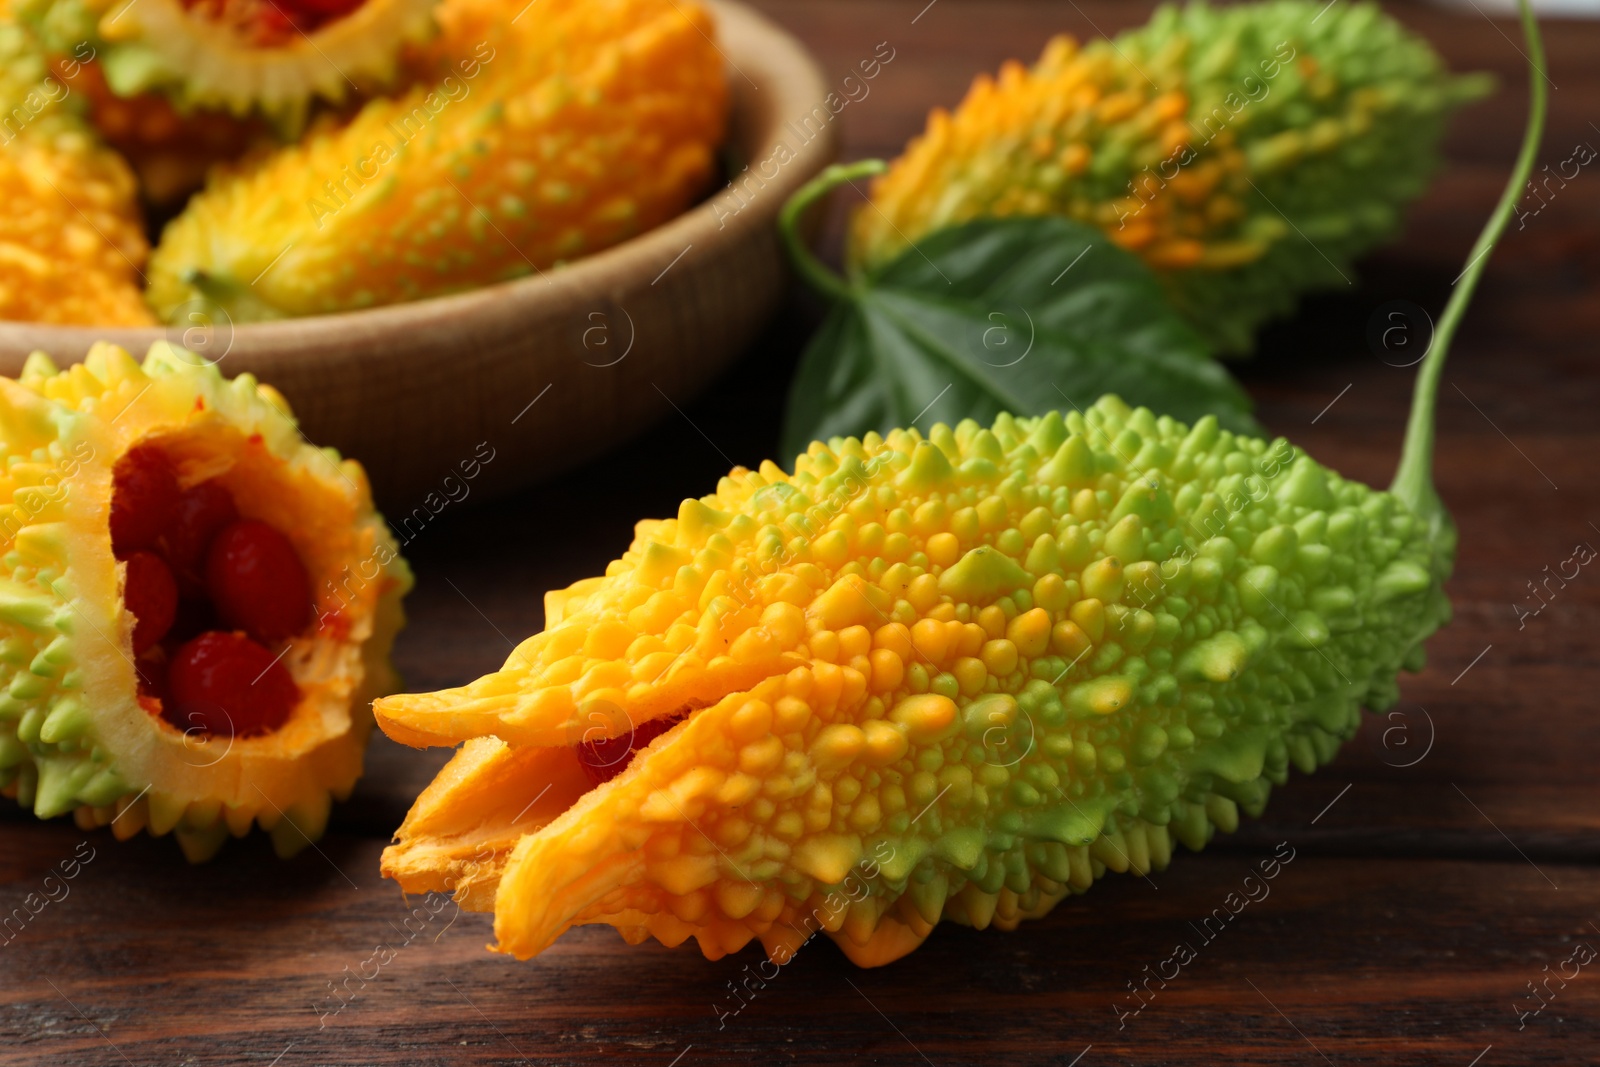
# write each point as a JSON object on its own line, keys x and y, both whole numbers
{"x": 539, "y": 140}
{"x": 71, "y": 239}
{"x": 1248, "y": 153}
{"x": 196, "y": 606}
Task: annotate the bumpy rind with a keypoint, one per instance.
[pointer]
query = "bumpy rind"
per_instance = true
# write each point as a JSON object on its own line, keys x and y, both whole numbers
{"x": 1248, "y": 153}
{"x": 73, "y": 733}
{"x": 71, "y": 236}
{"x": 534, "y": 142}
{"x": 161, "y": 46}
{"x": 956, "y": 677}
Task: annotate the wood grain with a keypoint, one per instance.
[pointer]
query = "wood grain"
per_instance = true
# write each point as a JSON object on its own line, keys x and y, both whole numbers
{"x": 1420, "y": 904}
{"x": 1365, "y": 960}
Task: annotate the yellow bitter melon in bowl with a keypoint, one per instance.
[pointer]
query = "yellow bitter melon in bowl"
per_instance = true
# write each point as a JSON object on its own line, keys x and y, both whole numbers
{"x": 72, "y": 241}
{"x": 532, "y": 141}
{"x": 141, "y": 685}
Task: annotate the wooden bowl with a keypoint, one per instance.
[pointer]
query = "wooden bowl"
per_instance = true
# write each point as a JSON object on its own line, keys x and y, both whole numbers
{"x": 542, "y": 372}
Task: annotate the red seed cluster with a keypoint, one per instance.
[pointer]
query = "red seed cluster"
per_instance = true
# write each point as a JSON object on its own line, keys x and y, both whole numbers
{"x": 201, "y": 514}
{"x": 213, "y": 596}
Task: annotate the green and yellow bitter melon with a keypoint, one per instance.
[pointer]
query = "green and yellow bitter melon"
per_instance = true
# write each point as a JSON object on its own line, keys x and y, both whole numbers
{"x": 196, "y": 606}
{"x": 1248, "y": 153}
{"x": 955, "y": 676}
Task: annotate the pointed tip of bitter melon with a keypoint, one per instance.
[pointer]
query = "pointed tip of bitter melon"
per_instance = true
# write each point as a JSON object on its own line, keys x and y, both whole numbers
{"x": 82, "y": 729}
{"x": 953, "y": 677}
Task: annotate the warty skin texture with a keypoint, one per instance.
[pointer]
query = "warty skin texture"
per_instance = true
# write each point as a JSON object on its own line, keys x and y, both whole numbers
{"x": 1247, "y": 153}
{"x": 524, "y": 144}
{"x": 946, "y": 678}
{"x": 71, "y": 237}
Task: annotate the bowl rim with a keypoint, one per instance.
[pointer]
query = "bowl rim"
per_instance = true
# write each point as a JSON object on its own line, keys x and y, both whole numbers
{"x": 794, "y": 77}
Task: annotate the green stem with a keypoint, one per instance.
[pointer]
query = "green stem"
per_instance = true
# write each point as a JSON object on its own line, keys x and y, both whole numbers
{"x": 1413, "y": 479}
{"x": 807, "y": 265}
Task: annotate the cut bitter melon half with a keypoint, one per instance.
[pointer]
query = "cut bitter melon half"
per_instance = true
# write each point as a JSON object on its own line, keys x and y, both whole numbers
{"x": 196, "y": 608}
{"x": 269, "y": 57}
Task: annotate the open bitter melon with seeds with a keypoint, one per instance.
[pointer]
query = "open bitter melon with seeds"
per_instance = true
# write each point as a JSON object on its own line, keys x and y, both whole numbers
{"x": 1248, "y": 153}
{"x": 272, "y": 58}
{"x": 196, "y": 606}
{"x": 954, "y": 676}
{"x": 538, "y": 140}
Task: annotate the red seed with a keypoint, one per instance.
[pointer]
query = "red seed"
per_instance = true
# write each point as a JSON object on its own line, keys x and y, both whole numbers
{"x": 323, "y": 10}
{"x": 272, "y": 27}
{"x": 152, "y": 596}
{"x": 201, "y": 513}
{"x": 226, "y": 685}
{"x": 608, "y": 757}
{"x": 257, "y": 582}
{"x": 143, "y": 495}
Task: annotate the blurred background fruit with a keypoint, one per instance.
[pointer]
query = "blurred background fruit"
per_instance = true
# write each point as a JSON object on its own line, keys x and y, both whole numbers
{"x": 537, "y": 142}
{"x": 72, "y": 240}
{"x": 169, "y": 150}
{"x": 274, "y": 58}
{"x": 1249, "y": 153}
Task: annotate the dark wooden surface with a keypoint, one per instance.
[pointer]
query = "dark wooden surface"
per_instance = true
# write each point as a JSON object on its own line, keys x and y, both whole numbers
{"x": 1443, "y": 862}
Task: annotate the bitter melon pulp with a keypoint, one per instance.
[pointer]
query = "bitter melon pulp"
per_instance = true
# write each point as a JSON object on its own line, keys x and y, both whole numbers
{"x": 1247, "y": 153}
{"x": 535, "y": 138}
{"x": 955, "y": 676}
{"x": 196, "y": 607}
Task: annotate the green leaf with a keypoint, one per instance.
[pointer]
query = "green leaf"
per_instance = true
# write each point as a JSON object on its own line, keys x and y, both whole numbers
{"x": 1024, "y": 315}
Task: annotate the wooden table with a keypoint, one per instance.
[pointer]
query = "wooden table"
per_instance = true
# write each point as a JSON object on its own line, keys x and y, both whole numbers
{"x": 1443, "y": 862}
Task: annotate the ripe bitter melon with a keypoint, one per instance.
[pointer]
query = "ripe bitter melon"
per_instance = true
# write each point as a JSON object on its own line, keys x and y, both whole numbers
{"x": 534, "y": 140}
{"x": 71, "y": 239}
{"x": 196, "y": 606}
